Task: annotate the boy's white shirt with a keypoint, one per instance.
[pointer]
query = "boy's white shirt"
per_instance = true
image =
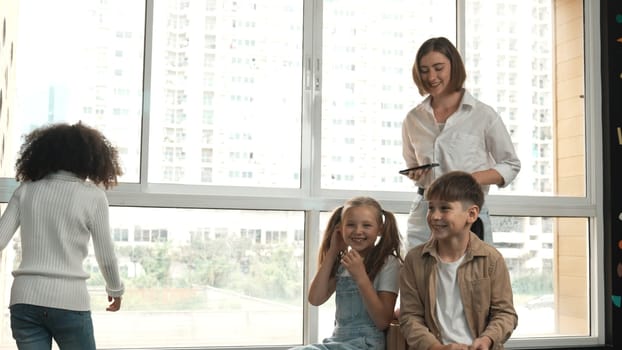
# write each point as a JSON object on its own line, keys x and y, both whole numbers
{"x": 449, "y": 308}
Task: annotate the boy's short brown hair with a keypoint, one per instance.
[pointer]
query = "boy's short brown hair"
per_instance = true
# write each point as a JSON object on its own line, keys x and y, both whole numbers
{"x": 456, "y": 186}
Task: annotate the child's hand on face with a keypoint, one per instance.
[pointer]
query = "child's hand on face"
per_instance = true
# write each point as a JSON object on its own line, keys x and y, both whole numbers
{"x": 336, "y": 242}
{"x": 353, "y": 262}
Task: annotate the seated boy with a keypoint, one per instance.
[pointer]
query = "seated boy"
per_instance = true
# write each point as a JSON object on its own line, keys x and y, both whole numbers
{"x": 455, "y": 289}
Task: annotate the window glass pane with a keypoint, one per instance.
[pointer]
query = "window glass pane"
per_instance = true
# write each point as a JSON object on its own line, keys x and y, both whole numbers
{"x": 368, "y": 51}
{"x": 196, "y": 278}
{"x": 548, "y": 262}
{"x": 525, "y": 59}
{"x": 84, "y": 64}
{"x": 226, "y": 83}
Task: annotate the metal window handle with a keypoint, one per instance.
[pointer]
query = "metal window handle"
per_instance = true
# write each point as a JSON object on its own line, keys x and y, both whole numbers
{"x": 313, "y": 74}
{"x": 318, "y": 73}
{"x": 308, "y": 73}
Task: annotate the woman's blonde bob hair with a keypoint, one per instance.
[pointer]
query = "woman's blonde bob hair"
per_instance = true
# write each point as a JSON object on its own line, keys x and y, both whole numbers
{"x": 444, "y": 46}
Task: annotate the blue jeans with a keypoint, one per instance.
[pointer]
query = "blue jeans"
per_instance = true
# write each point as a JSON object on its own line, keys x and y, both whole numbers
{"x": 34, "y": 327}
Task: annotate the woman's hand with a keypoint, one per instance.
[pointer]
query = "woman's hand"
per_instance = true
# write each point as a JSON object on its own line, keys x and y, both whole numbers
{"x": 415, "y": 175}
{"x": 488, "y": 177}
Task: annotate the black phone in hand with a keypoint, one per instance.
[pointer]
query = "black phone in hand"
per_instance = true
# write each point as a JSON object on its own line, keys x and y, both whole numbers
{"x": 424, "y": 166}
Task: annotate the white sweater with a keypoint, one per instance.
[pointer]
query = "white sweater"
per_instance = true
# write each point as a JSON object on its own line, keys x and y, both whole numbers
{"x": 58, "y": 216}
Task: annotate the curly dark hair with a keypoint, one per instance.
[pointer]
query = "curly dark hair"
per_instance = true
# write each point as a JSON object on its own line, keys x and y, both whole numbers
{"x": 76, "y": 148}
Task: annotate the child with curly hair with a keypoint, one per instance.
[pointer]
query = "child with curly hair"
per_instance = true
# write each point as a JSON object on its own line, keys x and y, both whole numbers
{"x": 359, "y": 260}
{"x": 59, "y": 208}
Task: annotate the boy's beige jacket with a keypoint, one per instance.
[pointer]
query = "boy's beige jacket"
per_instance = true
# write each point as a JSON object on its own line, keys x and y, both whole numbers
{"x": 485, "y": 288}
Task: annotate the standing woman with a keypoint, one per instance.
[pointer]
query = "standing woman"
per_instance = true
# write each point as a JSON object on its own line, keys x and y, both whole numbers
{"x": 59, "y": 208}
{"x": 454, "y": 129}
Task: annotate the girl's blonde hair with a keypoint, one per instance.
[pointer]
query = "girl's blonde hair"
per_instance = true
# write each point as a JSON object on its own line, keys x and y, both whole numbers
{"x": 333, "y": 223}
{"x": 390, "y": 242}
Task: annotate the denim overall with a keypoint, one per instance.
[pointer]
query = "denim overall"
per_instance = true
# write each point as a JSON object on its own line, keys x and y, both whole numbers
{"x": 354, "y": 329}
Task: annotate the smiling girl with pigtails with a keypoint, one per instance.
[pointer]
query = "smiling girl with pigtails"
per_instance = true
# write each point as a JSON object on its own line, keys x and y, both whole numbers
{"x": 359, "y": 260}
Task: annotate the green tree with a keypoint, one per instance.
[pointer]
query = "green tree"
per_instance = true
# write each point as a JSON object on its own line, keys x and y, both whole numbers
{"x": 154, "y": 260}
{"x": 534, "y": 283}
{"x": 276, "y": 273}
{"x": 214, "y": 262}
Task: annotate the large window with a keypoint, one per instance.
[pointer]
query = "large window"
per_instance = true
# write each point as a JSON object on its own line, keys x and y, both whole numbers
{"x": 242, "y": 123}
{"x": 367, "y": 86}
{"x": 226, "y": 78}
